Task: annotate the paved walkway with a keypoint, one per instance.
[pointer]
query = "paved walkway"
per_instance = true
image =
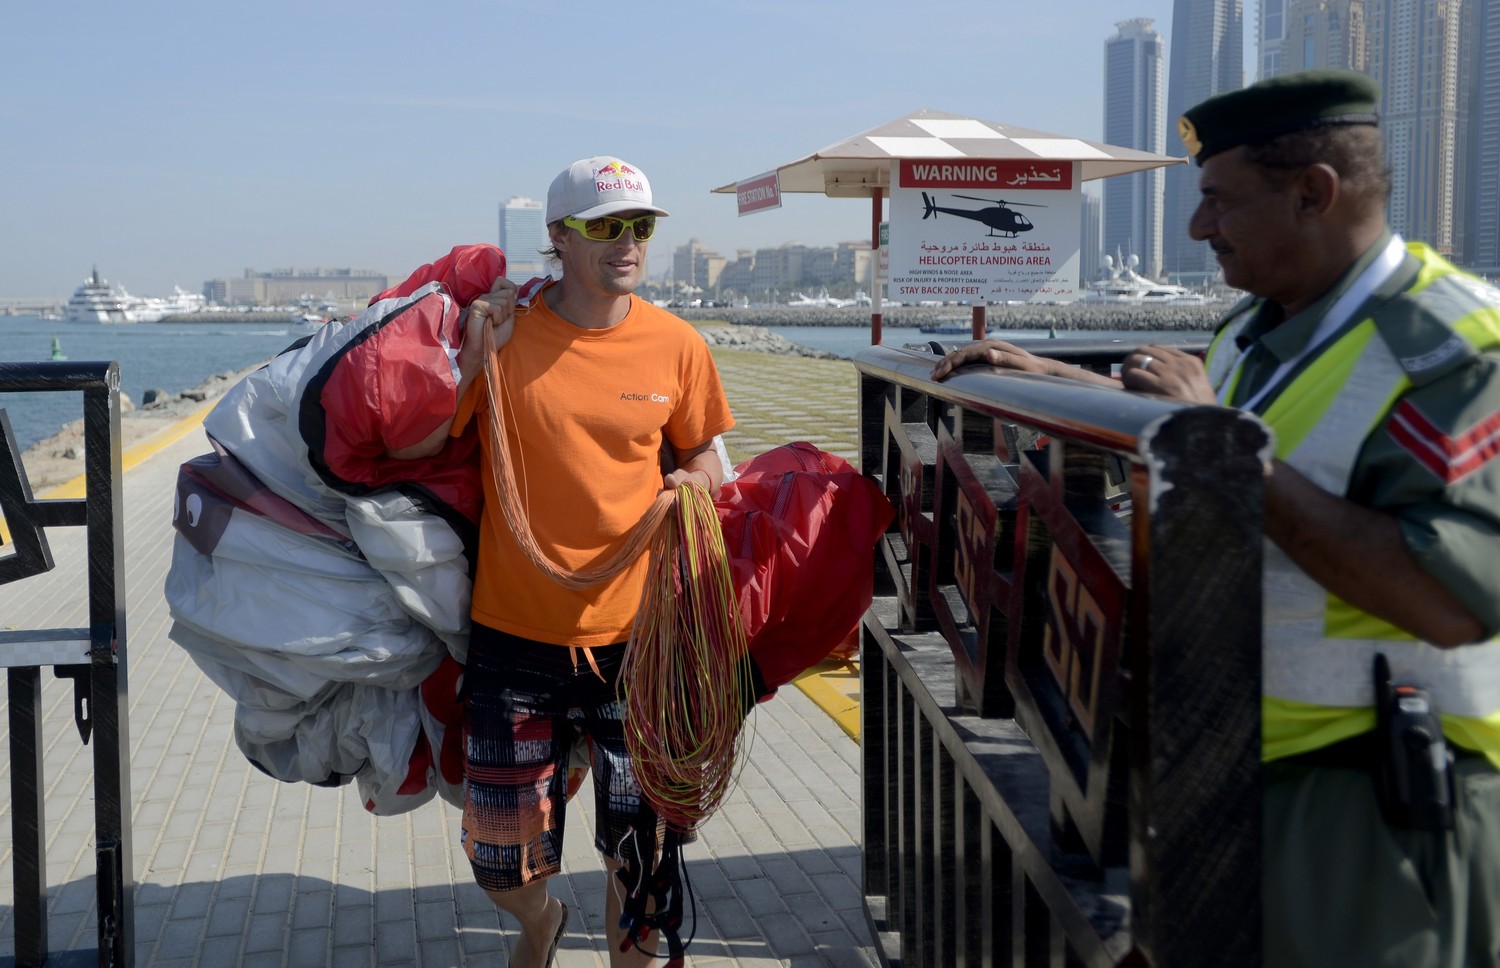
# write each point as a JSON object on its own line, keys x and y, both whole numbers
{"x": 233, "y": 868}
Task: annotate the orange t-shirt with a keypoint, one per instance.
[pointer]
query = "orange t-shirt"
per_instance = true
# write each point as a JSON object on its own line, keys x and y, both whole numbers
{"x": 586, "y": 414}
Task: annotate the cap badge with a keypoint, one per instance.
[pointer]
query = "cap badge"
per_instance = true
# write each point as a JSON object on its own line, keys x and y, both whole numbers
{"x": 1189, "y": 136}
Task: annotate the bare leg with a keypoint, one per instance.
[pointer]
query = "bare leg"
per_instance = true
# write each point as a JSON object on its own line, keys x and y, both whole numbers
{"x": 614, "y": 891}
{"x": 539, "y": 914}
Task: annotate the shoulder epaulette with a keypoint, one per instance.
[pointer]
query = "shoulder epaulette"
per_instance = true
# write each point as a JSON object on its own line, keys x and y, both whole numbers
{"x": 1422, "y": 327}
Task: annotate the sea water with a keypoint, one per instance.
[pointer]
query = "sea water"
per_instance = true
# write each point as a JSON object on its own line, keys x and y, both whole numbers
{"x": 847, "y": 340}
{"x": 177, "y": 356}
{"x": 166, "y": 356}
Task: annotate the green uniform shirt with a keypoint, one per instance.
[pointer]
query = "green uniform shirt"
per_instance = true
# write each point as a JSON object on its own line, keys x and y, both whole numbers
{"x": 1446, "y": 501}
{"x": 1451, "y": 526}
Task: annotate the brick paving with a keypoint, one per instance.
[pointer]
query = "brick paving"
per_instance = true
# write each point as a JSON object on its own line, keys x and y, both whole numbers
{"x": 233, "y": 868}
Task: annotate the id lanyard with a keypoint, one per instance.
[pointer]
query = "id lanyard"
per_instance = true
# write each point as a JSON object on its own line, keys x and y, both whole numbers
{"x": 1374, "y": 276}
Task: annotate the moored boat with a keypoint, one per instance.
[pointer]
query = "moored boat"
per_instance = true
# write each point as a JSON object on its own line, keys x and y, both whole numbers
{"x": 1122, "y": 284}
{"x": 96, "y": 301}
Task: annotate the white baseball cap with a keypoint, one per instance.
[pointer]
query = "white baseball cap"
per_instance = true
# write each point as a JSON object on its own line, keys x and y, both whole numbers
{"x": 597, "y": 186}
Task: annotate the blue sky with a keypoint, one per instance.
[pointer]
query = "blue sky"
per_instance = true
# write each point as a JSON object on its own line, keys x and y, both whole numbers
{"x": 173, "y": 142}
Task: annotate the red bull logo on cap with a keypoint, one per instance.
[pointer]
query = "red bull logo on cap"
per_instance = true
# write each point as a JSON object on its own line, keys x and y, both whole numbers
{"x": 616, "y": 176}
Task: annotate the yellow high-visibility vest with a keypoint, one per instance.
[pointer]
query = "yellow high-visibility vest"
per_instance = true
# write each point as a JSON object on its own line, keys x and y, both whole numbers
{"x": 1318, "y": 685}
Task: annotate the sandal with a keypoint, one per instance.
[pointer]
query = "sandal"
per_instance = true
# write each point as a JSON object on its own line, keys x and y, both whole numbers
{"x": 561, "y": 927}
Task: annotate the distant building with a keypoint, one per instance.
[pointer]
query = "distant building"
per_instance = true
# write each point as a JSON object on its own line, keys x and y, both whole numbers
{"x": 739, "y": 275}
{"x": 695, "y": 267}
{"x": 1438, "y": 65}
{"x": 1091, "y": 238}
{"x": 231, "y": 292}
{"x": 779, "y": 268}
{"x": 856, "y": 263}
{"x": 1135, "y": 80}
{"x": 777, "y": 272}
{"x": 1413, "y": 51}
{"x": 523, "y": 236}
{"x": 1269, "y": 36}
{"x": 1324, "y": 33}
{"x": 1207, "y": 59}
{"x": 349, "y": 288}
{"x": 1481, "y": 160}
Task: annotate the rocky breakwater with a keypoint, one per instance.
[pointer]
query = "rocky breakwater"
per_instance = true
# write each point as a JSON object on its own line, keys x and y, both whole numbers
{"x": 1082, "y": 316}
{"x": 59, "y": 458}
{"x": 757, "y": 339}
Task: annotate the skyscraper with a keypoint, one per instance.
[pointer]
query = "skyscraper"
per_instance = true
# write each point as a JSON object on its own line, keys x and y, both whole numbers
{"x": 1091, "y": 238}
{"x": 1324, "y": 33}
{"x": 1270, "y": 33}
{"x": 1135, "y": 105}
{"x": 1414, "y": 55}
{"x": 1207, "y": 59}
{"x": 523, "y": 236}
{"x": 1481, "y": 211}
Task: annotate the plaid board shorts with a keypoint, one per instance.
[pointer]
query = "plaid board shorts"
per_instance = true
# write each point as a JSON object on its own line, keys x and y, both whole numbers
{"x": 527, "y": 704}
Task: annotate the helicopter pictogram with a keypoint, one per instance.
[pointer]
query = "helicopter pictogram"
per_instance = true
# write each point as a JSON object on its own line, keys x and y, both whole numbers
{"x": 1001, "y": 219}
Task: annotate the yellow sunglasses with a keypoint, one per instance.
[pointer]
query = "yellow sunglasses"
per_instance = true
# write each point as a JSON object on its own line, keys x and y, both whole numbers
{"x": 607, "y": 228}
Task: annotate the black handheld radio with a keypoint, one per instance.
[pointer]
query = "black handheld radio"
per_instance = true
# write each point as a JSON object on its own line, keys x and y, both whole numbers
{"x": 1415, "y": 773}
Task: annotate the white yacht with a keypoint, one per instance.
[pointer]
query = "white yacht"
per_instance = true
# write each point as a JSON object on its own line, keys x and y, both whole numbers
{"x": 96, "y": 301}
{"x": 151, "y": 309}
{"x": 1122, "y": 284}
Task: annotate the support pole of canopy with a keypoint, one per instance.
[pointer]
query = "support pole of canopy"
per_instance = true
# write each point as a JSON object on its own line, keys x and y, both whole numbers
{"x": 875, "y": 274}
{"x": 979, "y": 324}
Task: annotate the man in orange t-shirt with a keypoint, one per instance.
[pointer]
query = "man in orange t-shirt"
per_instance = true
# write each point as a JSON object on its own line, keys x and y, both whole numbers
{"x": 594, "y": 380}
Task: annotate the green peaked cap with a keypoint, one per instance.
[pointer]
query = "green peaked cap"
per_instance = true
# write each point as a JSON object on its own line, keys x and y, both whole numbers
{"x": 1277, "y": 106}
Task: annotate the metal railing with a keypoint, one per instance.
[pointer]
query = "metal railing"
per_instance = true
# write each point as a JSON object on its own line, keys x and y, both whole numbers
{"x": 93, "y": 657}
{"x": 1061, "y": 669}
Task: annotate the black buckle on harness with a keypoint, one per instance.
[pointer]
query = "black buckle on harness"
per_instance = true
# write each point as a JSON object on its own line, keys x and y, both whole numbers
{"x": 662, "y": 889}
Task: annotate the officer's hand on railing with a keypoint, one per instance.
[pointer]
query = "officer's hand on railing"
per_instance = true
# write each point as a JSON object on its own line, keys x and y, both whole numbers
{"x": 994, "y": 352}
{"x": 1167, "y": 372}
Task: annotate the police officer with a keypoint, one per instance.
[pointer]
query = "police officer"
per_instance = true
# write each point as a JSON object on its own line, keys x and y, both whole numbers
{"x": 1377, "y": 364}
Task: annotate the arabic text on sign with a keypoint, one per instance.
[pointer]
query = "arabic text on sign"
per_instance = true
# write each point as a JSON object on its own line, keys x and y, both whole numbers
{"x": 1037, "y": 176}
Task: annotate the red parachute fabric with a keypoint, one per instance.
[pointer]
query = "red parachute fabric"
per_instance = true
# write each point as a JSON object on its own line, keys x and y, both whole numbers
{"x": 800, "y": 527}
{"x": 467, "y": 272}
{"x": 355, "y": 412}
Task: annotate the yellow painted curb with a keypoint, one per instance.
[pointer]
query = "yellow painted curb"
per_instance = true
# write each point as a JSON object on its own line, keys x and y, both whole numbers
{"x": 834, "y": 688}
{"x": 159, "y": 441}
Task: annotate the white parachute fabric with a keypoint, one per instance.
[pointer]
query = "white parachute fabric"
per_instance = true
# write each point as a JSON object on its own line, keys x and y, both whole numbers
{"x": 322, "y": 609}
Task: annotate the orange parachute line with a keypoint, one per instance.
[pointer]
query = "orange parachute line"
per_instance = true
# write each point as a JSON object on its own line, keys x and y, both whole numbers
{"x": 685, "y": 675}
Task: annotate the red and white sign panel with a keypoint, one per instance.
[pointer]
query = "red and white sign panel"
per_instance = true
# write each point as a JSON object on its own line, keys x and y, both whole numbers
{"x": 984, "y": 231}
{"x": 759, "y": 193}
{"x": 1053, "y": 176}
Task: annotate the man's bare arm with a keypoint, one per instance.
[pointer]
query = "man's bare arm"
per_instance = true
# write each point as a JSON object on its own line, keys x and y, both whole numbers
{"x": 997, "y": 352}
{"x": 700, "y": 464}
{"x": 1358, "y": 554}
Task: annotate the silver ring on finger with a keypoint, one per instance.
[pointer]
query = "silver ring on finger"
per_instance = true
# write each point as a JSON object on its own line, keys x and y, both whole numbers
{"x": 1145, "y": 362}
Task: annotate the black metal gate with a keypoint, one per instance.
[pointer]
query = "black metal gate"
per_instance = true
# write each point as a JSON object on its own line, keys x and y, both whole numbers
{"x": 93, "y": 657}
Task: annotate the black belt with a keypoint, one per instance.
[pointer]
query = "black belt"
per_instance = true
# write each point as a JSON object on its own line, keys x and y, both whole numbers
{"x": 1360, "y": 753}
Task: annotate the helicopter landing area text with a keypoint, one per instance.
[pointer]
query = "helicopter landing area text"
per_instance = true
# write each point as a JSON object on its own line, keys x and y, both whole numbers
{"x": 984, "y": 260}
{"x": 983, "y": 229}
